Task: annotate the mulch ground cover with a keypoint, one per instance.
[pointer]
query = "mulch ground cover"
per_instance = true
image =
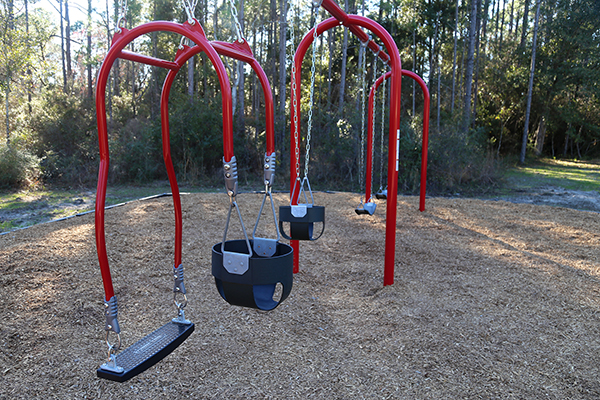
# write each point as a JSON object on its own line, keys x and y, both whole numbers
{"x": 490, "y": 300}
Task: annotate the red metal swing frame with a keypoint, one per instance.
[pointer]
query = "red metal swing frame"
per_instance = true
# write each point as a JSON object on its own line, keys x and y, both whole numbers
{"x": 195, "y": 33}
{"x": 425, "y": 142}
{"x": 391, "y": 56}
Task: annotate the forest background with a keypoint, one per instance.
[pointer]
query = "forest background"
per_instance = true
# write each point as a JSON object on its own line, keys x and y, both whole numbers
{"x": 508, "y": 79}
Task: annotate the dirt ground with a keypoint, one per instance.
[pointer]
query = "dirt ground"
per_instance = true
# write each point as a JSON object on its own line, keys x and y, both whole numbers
{"x": 491, "y": 300}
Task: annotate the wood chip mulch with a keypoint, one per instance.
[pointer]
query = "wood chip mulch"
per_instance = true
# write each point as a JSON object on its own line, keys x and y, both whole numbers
{"x": 490, "y": 300}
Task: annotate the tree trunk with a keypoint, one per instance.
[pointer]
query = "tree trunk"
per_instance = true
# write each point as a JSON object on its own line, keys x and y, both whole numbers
{"x": 540, "y": 136}
{"x": 414, "y": 88}
{"x": 190, "y": 78}
{"x": 241, "y": 80}
{"x": 530, "y": 89}
{"x": 343, "y": 70}
{"x": 272, "y": 45}
{"x": 470, "y": 64}
{"x": 330, "y": 41}
{"x": 502, "y": 28}
{"x": 283, "y": 5}
{"x": 512, "y": 16}
{"x": 455, "y": 34}
{"x": 479, "y": 60}
{"x": 68, "y": 46}
{"x": 90, "y": 91}
{"x": 525, "y": 24}
{"x": 62, "y": 45}
{"x": 29, "y": 74}
{"x": 9, "y": 34}
{"x": 439, "y": 97}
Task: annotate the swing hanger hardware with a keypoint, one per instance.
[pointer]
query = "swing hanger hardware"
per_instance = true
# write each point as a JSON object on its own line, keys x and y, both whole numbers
{"x": 121, "y": 21}
{"x": 234, "y": 263}
{"x": 266, "y": 247}
{"x": 189, "y": 7}
{"x": 236, "y": 21}
{"x": 182, "y": 42}
{"x": 179, "y": 291}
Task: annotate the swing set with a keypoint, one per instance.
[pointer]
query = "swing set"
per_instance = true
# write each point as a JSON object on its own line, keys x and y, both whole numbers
{"x": 247, "y": 272}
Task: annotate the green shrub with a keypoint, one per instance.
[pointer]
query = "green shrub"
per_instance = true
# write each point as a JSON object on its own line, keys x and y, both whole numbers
{"x": 18, "y": 167}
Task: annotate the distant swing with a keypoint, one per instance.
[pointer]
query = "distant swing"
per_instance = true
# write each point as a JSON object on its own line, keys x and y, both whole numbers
{"x": 302, "y": 213}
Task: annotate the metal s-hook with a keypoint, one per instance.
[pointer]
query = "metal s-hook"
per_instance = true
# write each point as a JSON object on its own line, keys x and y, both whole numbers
{"x": 263, "y": 246}
{"x": 234, "y": 263}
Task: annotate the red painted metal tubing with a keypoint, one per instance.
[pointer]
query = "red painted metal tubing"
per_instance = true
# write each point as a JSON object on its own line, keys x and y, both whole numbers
{"x": 193, "y": 32}
{"x": 370, "y": 134}
{"x": 182, "y": 56}
{"x": 425, "y": 144}
{"x": 156, "y": 62}
{"x": 396, "y": 82}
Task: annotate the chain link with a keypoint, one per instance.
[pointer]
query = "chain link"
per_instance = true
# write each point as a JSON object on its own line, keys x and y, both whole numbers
{"x": 295, "y": 104}
{"x": 363, "y": 73}
{"x": 372, "y": 133}
{"x": 383, "y": 97}
{"x": 121, "y": 17}
{"x": 190, "y": 7}
{"x": 236, "y": 20}
{"x": 317, "y": 6}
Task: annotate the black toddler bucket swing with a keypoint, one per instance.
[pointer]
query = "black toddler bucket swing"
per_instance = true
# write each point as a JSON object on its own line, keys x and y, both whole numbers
{"x": 247, "y": 272}
{"x": 302, "y": 217}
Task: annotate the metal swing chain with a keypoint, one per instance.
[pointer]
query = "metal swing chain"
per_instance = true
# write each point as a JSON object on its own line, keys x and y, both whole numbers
{"x": 121, "y": 16}
{"x": 363, "y": 72}
{"x": 189, "y": 8}
{"x": 383, "y": 97}
{"x": 317, "y": 6}
{"x": 236, "y": 20}
{"x": 294, "y": 86}
{"x": 375, "y": 62}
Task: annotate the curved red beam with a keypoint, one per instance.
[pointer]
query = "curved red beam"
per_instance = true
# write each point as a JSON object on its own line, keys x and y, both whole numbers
{"x": 193, "y": 32}
{"x": 182, "y": 56}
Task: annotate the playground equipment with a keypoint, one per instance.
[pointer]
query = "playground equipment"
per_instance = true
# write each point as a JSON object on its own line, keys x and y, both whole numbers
{"x": 369, "y": 206}
{"x": 425, "y": 137}
{"x": 390, "y": 56}
{"x": 246, "y": 271}
{"x": 271, "y": 264}
{"x": 301, "y": 216}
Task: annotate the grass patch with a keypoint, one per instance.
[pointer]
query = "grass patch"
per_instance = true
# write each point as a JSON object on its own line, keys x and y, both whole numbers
{"x": 570, "y": 175}
{"x": 24, "y": 208}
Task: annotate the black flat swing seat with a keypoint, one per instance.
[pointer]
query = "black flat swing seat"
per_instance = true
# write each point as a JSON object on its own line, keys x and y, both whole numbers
{"x": 381, "y": 195}
{"x": 256, "y": 286}
{"x": 301, "y": 219}
{"x": 367, "y": 208}
{"x": 147, "y": 351}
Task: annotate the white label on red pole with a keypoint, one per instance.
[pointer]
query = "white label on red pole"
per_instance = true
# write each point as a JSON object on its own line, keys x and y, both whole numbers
{"x": 397, "y": 149}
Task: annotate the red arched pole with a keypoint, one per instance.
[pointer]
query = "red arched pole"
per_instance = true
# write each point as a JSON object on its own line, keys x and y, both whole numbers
{"x": 193, "y": 32}
{"x": 354, "y": 22}
{"x": 424, "y": 145}
{"x": 237, "y": 51}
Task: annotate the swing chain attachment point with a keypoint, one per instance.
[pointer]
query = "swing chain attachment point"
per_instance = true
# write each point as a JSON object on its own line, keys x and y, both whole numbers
{"x": 236, "y": 20}
{"x": 262, "y": 246}
{"x": 234, "y": 263}
{"x": 112, "y": 325}
{"x": 122, "y": 16}
{"x": 179, "y": 291}
{"x": 189, "y": 7}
